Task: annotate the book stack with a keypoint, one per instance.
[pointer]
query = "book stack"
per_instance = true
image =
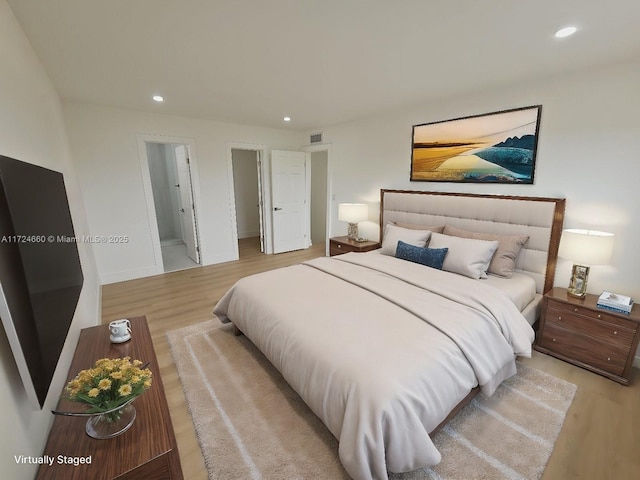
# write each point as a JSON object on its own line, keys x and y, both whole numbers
{"x": 615, "y": 302}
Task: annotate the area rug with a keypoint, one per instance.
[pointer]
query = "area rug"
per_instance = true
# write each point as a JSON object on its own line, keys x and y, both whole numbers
{"x": 252, "y": 425}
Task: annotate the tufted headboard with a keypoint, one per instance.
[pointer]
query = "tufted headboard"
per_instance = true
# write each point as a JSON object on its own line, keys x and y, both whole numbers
{"x": 539, "y": 217}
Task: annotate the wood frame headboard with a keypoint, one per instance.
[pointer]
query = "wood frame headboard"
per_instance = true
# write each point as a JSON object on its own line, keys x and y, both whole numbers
{"x": 539, "y": 217}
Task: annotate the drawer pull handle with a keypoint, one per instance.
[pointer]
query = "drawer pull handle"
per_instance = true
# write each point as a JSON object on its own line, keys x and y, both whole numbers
{"x": 615, "y": 332}
{"x": 554, "y": 339}
{"x": 575, "y": 309}
{"x": 339, "y": 246}
{"x": 599, "y": 316}
{"x": 559, "y": 318}
{"x": 608, "y": 359}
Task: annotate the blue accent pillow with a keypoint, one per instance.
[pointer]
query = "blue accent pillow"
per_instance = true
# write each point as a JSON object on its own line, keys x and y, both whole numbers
{"x": 431, "y": 257}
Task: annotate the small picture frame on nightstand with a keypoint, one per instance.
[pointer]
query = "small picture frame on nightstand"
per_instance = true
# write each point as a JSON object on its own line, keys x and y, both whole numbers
{"x": 578, "y": 283}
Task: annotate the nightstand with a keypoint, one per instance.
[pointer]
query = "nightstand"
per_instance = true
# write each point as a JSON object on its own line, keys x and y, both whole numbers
{"x": 340, "y": 245}
{"x": 577, "y": 331}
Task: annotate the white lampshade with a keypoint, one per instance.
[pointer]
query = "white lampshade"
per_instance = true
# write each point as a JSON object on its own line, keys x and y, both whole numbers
{"x": 586, "y": 247}
{"x": 353, "y": 212}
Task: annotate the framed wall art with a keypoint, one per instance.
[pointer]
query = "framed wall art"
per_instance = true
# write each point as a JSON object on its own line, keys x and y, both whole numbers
{"x": 498, "y": 147}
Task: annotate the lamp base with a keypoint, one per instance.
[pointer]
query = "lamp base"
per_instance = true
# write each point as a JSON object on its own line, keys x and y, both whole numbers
{"x": 352, "y": 232}
{"x": 578, "y": 284}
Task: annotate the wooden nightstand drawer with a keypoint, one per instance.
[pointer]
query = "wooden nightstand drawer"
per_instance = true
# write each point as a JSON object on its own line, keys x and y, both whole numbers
{"x": 338, "y": 248}
{"x": 596, "y": 314}
{"x": 598, "y": 329}
{"x": 577, "y": 331}
{"x": 584, "y": 349}
{"x": 340, "y": 245}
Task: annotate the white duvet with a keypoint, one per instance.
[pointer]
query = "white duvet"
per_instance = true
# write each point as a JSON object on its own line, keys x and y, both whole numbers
{"x": 379, "y": 348}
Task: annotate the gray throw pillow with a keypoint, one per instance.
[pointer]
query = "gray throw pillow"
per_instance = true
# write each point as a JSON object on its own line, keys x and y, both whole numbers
{"x": 504, "y": 260}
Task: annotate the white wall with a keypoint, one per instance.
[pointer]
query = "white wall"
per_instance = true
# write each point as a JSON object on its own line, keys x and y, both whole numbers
{"x": 105, "y": 152}
{"x": 32, "y": 130}
{"x": 245, "y": 186}
{"x": 588, "y": 153}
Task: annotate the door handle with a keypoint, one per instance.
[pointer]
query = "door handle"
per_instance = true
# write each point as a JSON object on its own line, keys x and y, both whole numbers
{"x": 276, "y": 209}
{"x": 182, "y": 210}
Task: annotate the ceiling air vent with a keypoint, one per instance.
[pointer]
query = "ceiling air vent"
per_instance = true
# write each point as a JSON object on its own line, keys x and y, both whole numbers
{"x": 315, "y": 138}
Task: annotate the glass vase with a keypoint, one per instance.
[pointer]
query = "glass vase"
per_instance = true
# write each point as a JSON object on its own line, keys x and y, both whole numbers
{"x": 111, "y": 424}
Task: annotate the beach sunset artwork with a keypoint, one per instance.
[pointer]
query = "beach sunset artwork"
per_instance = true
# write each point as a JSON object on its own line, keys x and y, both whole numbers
{"x": 497, "y": 147}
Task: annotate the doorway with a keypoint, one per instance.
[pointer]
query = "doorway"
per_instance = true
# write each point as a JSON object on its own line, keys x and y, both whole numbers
{"x": 319, "y": 183}
{"x": 321, "y": 196}
{"x": 173, "y": 199}
{"x": 317, "y": 186}
{"x": 247, "y": 191}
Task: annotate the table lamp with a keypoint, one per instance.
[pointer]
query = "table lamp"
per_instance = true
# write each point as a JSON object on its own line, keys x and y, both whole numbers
{"x": 353, "y": 213}
{"x": 584, "y": 248}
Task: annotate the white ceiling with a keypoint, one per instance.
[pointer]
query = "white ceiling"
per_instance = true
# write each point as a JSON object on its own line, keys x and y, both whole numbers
{"x": 319, "y": 61}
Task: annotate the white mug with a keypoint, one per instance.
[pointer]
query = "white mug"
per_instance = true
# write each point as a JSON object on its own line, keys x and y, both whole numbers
{"x": 120, "y": 330}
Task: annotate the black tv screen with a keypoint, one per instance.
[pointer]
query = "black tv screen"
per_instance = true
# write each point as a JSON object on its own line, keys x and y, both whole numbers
{"x": 40, "y": 272}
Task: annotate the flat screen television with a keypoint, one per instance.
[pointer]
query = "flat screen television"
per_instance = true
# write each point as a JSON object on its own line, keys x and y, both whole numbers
{"x": 40, "y": 272}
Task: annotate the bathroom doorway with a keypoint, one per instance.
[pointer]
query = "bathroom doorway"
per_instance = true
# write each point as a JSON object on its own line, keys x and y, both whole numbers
{"x": 175, "y": 210}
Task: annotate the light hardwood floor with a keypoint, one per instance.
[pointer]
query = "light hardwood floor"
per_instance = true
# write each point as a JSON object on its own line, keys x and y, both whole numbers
{"x": 599, "y": 440}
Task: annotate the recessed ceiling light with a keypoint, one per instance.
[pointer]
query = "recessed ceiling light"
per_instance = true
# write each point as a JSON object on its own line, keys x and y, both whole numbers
{"x": 158, "y": 98}
{"x": 287, "y": 119}
{"x": 565, "y": 32}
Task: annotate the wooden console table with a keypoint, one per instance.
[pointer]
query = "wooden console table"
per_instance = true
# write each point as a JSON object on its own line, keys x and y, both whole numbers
{"x": 147, "y": 451}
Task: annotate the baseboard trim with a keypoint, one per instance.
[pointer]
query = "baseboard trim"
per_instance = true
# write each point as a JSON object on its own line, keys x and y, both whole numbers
{"x": 116, "y": 277}
{"x": 123, "y": 276}
{"x": 171, "y": 242}
{"x": 248, "y": 234}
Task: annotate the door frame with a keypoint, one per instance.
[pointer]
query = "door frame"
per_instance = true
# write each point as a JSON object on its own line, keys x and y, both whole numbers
{"x": 142, "y": 140}
{"x": 325, "y": 147}
{"x": 264, "y": 193}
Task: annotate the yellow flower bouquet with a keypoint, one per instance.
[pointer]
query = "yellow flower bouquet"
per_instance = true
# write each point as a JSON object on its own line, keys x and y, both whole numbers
{"x": 112, "y": 383}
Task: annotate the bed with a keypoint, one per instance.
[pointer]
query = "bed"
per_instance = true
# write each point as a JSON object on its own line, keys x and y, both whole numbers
{"x": 384, "y": 350}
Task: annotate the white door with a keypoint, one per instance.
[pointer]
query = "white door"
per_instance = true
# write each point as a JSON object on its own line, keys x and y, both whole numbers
{"x": 187, "y": 210}
{"x": 290, "y": 206}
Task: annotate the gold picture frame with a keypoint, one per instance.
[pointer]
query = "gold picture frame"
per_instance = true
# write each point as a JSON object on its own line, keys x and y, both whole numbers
{"x": 578, "y": 283}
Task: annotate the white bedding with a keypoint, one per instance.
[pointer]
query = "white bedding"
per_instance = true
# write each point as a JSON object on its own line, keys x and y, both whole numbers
{"x": 520, "y": 288}
{"x": 380, "y": 349}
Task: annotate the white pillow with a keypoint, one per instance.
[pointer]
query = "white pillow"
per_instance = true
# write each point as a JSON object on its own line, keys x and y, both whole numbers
{"x": 393, "y": 234}
{"x": 467, "y": 256}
